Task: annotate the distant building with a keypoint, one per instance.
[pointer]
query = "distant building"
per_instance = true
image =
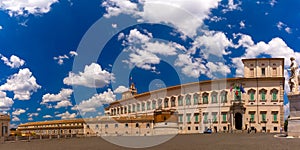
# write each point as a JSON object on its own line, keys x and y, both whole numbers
{"x": 4, "y": 125}
{"x": 254, "y": 101}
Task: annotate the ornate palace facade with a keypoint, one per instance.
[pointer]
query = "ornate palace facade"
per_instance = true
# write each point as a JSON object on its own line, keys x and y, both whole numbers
{"x": 254, "y": 101}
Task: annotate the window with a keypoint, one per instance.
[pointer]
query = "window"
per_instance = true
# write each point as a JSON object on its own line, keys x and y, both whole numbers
{"x": 205, "y": 98}
{"x": 148, "y": 105}
{"x": 137, "y": 125}
{"x": 196, "y": 97}
{"x": 224, "y": 97}
{"x": 275, "y": 114}
{"x": 188, "y": 100}
{"x": 188, "y": 118}
{"x": 263, "y": 71}
{"x": 196, "y": 128}
{"x": 173, "y": 99}
{"x": 180, "y": 102}
{"x": 148, "y": 125}
{"x": 133, "y": 108}
{"x": 251, "y": 93}
{"x": 189, "y": 128}
{"x": 143, "y": 106}
{"x": 196, "y": 117}
{"x": 116, "y": 125}
{"x": 106, "y": 125}
{"x": 97, "y": 126}
{"x": 205, "y": 115}
{"x": 138, "y": 107}
{"x": 263, "y": 117}
{"x": 214, "y": 98}
{"x": 180, "y": 119}
{"x": 129, "y": 109}
{"x": 153, "y": 104}
{"x": 159, "y": 104}
{"x": 224, "y": 117}
{"x": 126, "y": 125}
{"x": 252, "y": 117}
{"x": 263, "y": 95}
{"x": 166, "y": 103}
{"x": 274, "y": 93}
{"x": 214, "y": 117}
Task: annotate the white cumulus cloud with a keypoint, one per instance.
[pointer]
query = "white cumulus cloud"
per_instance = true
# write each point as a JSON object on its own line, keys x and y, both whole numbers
{"x": 15, "y": 119}
{"x": 121, "y": 89}
{"x": 13, "y": 62}
{"x": 191, "y": 67}
{"x": 47, "y": 116}
{"x": 66, "y": 115}
{"x": 95, "y": 102}
{"x": 93, "y": 76}
{"x": 63, "y": 104}
{"x": 18, "y": 112}
{"x": 26, "y": 7}
{"x": 22, "y": 84}
{"x": 5, "y": 102}
{"x": 63, "y": 95}
{"x": 187, "y": 16}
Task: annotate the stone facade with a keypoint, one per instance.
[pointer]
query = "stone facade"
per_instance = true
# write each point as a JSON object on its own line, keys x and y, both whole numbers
{"x": 4, "y": 125}
{"x": 219, "y": 104}
{"x": 254, "y": 101}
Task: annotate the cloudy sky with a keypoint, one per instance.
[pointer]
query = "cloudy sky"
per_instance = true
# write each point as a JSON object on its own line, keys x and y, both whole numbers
{"x": 61, "y": 59}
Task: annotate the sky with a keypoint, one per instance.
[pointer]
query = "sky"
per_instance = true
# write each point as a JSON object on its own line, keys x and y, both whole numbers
{"x": 64, "y": 59}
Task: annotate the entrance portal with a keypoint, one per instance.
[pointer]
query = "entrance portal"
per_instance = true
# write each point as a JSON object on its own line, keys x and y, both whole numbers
{"x": 238, "y": 121}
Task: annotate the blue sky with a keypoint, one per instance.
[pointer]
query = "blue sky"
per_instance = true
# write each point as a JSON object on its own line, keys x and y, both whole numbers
{"x": 64, "y": 59}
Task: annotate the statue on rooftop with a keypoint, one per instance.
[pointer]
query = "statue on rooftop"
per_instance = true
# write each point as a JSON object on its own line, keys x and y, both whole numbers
{"x": 293, "y": 80}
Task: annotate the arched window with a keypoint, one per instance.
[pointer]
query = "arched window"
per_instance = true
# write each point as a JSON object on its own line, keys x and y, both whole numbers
{"x": 166, "y": 102}
{"x": 205, "y": 98}
{"x": 196, "y": 98}
{"x": 188, "y": 100}
{"x": 173, "y": 101}
{"x": 274, "y": 94}
{"x": 251, "y": 94}
{"x": 180, "y": 100}
{"x": 214, "y": 97}
{"x": 224, "y": 96}
{"x": 262, "y": 94}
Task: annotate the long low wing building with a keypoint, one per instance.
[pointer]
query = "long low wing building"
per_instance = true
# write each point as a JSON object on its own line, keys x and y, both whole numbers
{"x": 252, "y": 102}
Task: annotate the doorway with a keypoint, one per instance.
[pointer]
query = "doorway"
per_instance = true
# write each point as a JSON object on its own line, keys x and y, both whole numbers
{"x": 238, "y": 121}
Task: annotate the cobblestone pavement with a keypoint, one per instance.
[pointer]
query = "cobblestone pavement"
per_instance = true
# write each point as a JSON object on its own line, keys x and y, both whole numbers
{"x": 224, "y": 141}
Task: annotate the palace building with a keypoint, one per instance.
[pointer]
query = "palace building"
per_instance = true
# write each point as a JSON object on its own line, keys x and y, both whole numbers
{"x": 254, "y": 101}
